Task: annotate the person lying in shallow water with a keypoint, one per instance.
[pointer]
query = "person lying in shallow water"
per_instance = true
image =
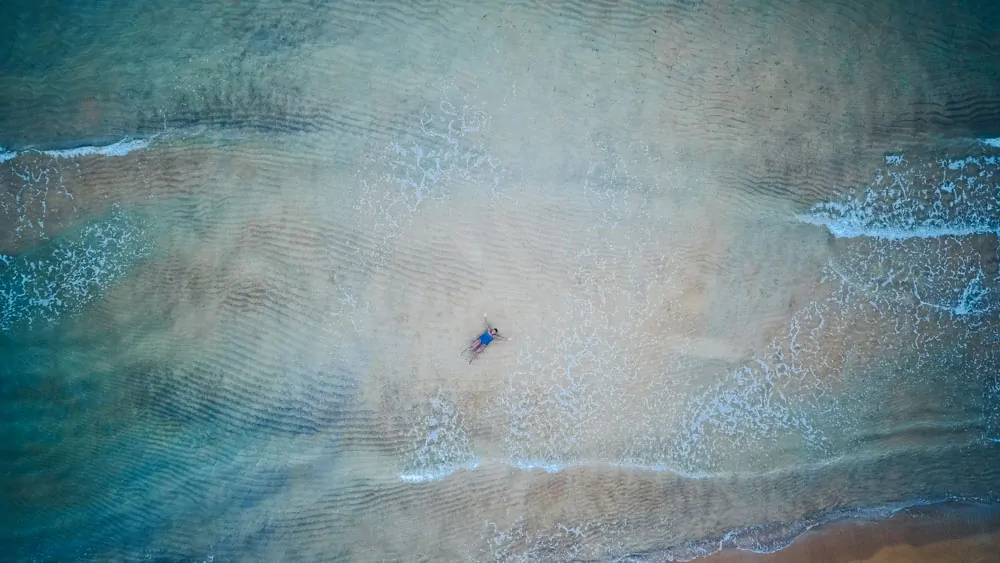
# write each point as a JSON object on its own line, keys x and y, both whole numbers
{"x": 483, "y": 340}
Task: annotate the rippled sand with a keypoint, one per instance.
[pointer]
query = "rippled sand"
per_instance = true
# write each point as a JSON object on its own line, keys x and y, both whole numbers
{"x": 746, "y": 258}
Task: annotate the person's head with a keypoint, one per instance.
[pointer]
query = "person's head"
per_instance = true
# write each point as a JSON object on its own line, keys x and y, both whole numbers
{"x": 495, "y": 331}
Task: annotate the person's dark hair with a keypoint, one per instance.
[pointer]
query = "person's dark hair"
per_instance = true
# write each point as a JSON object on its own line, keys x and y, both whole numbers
{"x": 496, "y": 330}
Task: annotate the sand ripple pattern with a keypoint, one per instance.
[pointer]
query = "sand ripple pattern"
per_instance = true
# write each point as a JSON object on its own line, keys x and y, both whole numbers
{"x": 243, "y": 244}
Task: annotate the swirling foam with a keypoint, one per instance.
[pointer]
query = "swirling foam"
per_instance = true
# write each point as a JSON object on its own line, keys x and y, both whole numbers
{"x": 41, "y": 287}
{"x": 918, "y": 201}
{"x": 440, "y": 444}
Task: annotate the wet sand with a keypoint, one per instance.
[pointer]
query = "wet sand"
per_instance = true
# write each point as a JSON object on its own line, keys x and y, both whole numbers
{"x": 949, "y": 533}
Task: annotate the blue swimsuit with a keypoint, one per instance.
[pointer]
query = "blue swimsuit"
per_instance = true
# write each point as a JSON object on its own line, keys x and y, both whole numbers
{"x": 486, "y": 338}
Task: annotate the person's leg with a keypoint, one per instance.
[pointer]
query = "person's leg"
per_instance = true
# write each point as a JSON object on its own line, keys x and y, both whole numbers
{"x": 474, "y": 345}
{"x": 475, "y": 353}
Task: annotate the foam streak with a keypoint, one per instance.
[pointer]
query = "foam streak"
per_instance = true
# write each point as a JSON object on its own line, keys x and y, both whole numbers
{"x": 119, "y": 148}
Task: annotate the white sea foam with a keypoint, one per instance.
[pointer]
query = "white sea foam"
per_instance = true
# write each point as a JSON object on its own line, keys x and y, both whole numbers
{"x": 440, "y": 445}
{"x": 960, "y": 163}
{"x": 422, "y": 168}
{"x": 936, "y": 279}
{"x": 856, "y": 226}
{"x": 436, "y": 474}
{"x": 930, "y": 199}
{"x": 119, "y": 148}
{"x": 6, "y": 155}
{"x": 550, "y": 467}
{"x": 745, "y": 408}
{"x": 567, "y": 392}
{"x": 526, "y": 465}
{"x": 972, "y": 298}
{"x": 75, "y": 271}
{"x": 994, "y": 142}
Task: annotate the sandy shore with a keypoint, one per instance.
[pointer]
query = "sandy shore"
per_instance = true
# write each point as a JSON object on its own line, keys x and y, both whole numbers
{"x": 949, "y": 532}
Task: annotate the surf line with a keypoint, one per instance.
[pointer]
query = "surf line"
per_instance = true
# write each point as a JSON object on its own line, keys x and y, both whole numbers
{"x": 118, "y": 148}
{"x": 852, "y": 228}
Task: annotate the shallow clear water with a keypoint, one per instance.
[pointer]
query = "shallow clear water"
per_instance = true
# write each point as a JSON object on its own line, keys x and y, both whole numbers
{"x": 746, "y": 257}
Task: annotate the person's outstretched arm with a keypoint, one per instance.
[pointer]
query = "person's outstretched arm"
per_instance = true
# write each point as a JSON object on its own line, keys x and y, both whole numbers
{"x": 488, "y": 327}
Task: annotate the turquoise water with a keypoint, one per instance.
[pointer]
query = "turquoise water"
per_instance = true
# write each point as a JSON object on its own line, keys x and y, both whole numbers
{"x": 746, "y": 257}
